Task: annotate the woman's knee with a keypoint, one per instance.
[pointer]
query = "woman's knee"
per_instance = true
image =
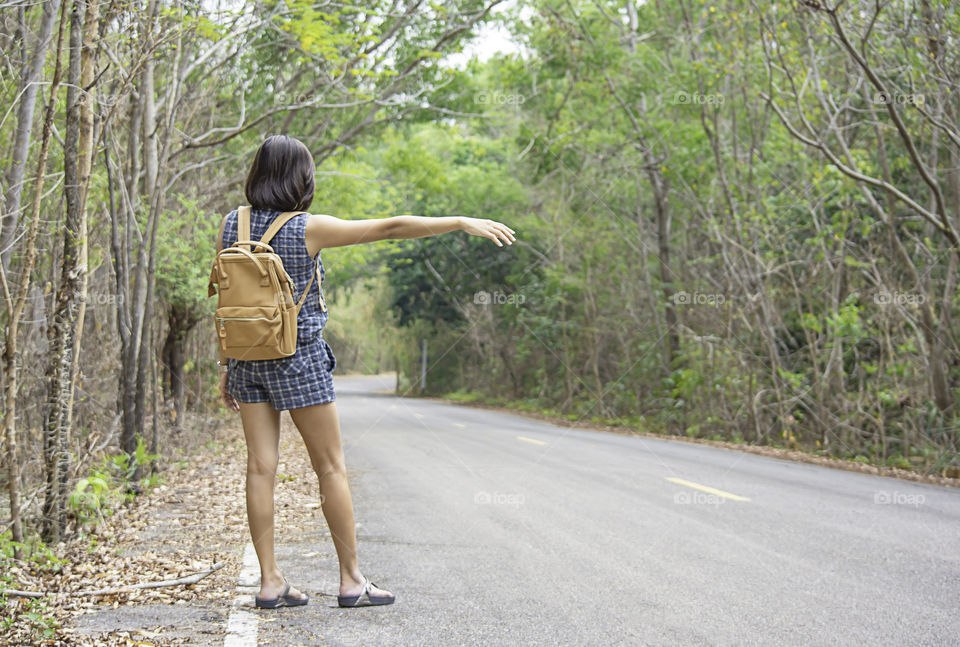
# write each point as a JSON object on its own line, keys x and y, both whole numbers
{"x": 261, "y": 428}
{"x": 320, "y": 429}
{"x": 328, "y": 463}
{"x": 262, "y": 463}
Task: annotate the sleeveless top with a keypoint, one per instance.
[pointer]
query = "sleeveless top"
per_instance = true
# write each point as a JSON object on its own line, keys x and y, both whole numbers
{"x": 289, "y": 245}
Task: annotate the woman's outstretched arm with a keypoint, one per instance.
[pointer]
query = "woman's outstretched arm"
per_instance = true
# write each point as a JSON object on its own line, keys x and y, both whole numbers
{"x": 328, "y": 231}
{"x": 421, "y": 226}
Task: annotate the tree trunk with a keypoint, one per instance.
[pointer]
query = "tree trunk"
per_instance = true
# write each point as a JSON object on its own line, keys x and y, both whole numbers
{"x": 152, "y": 193}
{"x": 135, "y": 364}
{"x": 155, "y": 439}
{"x": 661, "y": 210}
{"x": 180, "y": 321}
{"x": 29, "y": 85}
{"x": 16, "y": 310}
{"x": 133, "y": 303}
{"x": 61, "y": 332}
{"x": 661, "y": 207}
{"x": 66, "y": 331}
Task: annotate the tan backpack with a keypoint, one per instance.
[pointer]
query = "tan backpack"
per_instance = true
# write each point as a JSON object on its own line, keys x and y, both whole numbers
{"x": 256, "y": 317}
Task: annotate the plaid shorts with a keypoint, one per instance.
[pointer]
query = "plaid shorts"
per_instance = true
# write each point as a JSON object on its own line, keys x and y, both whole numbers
{"x": 300, "y": 380}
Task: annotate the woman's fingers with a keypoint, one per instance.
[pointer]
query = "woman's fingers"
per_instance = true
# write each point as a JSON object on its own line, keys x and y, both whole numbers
{"x": 491, "y": 229}
{"x": 228, "y": 400}
{"x": 500, "y": 230}
{"x": 231, "y": 402}
{"x": 507, "y": 233}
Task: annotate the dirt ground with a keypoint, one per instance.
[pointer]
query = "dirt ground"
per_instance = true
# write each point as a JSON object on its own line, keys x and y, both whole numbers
{"x": 195, "y": 520}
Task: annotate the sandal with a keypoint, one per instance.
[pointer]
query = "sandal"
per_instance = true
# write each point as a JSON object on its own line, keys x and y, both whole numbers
{"x": 352, "y": 600}
{"x": 282, "y": 600}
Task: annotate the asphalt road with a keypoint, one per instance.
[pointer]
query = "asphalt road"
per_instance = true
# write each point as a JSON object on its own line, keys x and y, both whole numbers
{"x": 495, "y": 529}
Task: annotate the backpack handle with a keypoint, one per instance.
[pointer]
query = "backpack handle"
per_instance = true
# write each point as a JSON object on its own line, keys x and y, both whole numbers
{"x": 241, "y": 250}
{"x": 243, "y": 234}
{"x": 254, "y": 243}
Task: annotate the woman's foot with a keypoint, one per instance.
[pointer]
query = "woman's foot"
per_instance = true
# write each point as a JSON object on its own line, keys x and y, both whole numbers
{"x": 352, "y": 586}
{"x": 271, "y": 587}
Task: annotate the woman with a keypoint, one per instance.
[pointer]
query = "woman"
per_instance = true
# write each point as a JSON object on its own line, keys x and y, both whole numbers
{"x": 282, "y": 179}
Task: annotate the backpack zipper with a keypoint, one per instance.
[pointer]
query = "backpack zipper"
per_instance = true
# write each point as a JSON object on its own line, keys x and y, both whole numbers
{"x": 222, "y": 319}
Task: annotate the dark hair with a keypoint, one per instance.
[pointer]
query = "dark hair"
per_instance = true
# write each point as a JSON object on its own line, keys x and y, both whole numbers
{"x": 281, "y": 176}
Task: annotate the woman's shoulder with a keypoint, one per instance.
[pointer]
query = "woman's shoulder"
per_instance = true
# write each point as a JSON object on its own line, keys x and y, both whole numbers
{"x": 261, "y": 219}
{"x": 269, "y": 215}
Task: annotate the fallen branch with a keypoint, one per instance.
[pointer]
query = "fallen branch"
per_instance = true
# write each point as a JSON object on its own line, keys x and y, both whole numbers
{"x": 189, "y": 579}
{"x": 24, "y": 594}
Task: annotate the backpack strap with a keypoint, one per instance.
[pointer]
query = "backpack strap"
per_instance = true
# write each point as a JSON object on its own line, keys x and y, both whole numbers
{"x": 272, "y": 230}
{"x": 277, "y": 223}
{"x": 303, "y": 297}
{"x": 243, "y": 224}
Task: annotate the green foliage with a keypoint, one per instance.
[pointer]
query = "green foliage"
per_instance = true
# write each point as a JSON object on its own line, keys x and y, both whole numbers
{"x": 439, "y": 171}
{"x": 320, "y": 32}
{"x": 89, "y": 497}
{"x": 348, "y": 187}
{"x": 186, "y": 238}
{"x": 35, "y": 617}
{"x": 34, "y": 550}
{"x": 32, "y": 614}
{"x": 98, "y": 495}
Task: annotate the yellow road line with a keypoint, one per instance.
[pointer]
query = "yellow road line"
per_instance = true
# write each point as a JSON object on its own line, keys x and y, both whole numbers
{"x": 708, "y": 489}
{"x": 459, "y": 424}
{"x": 531, "y": 440}
{"x": 417, "y": 415}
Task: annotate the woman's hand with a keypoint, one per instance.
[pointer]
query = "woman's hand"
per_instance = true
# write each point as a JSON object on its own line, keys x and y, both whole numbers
{"x": 488, "y": 229}
{"x": 228, "y": 400}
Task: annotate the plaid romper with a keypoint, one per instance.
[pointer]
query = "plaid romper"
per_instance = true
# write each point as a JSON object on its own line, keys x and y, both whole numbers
{"x": 304, "y": 378}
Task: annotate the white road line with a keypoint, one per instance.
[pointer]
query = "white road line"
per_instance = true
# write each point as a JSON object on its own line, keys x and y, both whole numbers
{"x": 242, "y": 623}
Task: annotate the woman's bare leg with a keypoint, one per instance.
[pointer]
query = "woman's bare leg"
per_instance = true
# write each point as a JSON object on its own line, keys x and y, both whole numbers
{"x": 261, "y": 427}
{"x": 319, "y": 425}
